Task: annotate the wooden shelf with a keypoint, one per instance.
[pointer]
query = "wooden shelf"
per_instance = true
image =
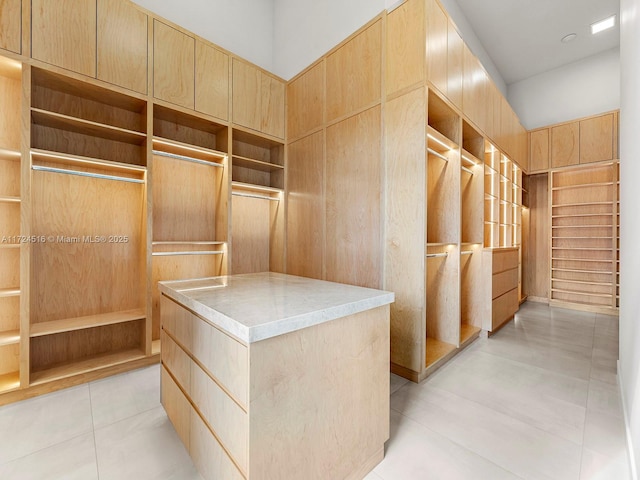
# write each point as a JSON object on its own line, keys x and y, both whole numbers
{"x": 607, "y": 272}
{"x": 59, "y": 121}
{"x": 439, "y": 142}
{"x": 469, "y": 159}
{"x": 577, "y": 292}
{"x": 581, "y": 226}
{"x": 10, "y": 337}
{"x": 9, "y": 292}
{"x": 9, "y": 381}
{"x": 583, "y": 215}
{"x": 582, "y": 259}
{"x": 90, "y": 364}
{"x": 468, "y": 331}
{"x": 579, "y": 186}
{"x": 255, "y": 188}
{"x": 582, "y": 282}
{"x": 198, "y": 242}
{"x": 437, "y": 350}
{"x": 9, "y": 154}
{"x": 180, "y": 148}
{"x": 89, "y": 321}
{"x": 9, "y": 199}
{"x": 155, "y": 347}
{"x": 65, "y": 159}
{"x": 594, "y": 249}
{"x": 583, "y": 204}
{"x": 246, "y": 162}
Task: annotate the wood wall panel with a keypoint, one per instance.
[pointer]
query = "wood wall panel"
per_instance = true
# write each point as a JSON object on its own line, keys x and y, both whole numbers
{"x": 272, "y": 101}
{"x": 353, "y": 200}
{"x": 305, "y": 218}
{"x": 246, "y": 94}
{"x": 405, "y": 212}
{"x": 212, "y": 81}
{"x": 565, "y": 144}
{"x": 536, "y": 268}
{"x": 63, "y": 33}
{"x": 250, "y": 228}
{"x": 10, "y": 94}
{"x": 354, "y": 73}
{"x": 437, "y": 38}
{"x": 122, "y": 40}
{"x": 405, "y": 46}
{"x": 597, "y": 139}
{"x": 472, "y": 88}
{"x": 455, "y": 65}
{"x": 305, "y": 102}
{"x": 539, "y": 150}
{"x": 173, "y": 65}
{"x": 11, "y": 25}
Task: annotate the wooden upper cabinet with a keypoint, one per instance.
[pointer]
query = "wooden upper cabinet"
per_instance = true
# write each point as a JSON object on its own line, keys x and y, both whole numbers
{"x": 63, "y": 33}
{"x": 305, "y": 101}
{"x": 472, "y": 87}
{"x": 405, "y": 46}
{"x": 565, "y": 145}
{"x": 122, "y": 45}
{"x": 258, "y": 99}
{"x": 597, "y": 138}
{"x": 539, "y": 150}
{"x": 173, "y": 65}
{"x": 212, "y": 81}
{"x": 354, "y": 73}
{"x": 437, "y": 46}
{"x": 11, "y": 25}
{"x": 455, "y": 63}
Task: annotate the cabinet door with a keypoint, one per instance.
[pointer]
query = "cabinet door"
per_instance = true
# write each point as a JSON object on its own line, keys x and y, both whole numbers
{"x": 122, "y": 45}
{"x": 10, "y": 25}
{"x": 539, "y": 150}
{"x": 564, "y": 145}
{"x": 597, "y": 139}
{"x": 405, "y": 46}
{"x": 247, "y": 82}
{"x": 272, "y": 106}
{"x": 471, "y": 87}
{"x": 173, "y": 65}
{"x": 63, "y": 33}
{"x": 212, "y": 81}
{"x": 437, "y": 50}
{"x": 455, "y": 60}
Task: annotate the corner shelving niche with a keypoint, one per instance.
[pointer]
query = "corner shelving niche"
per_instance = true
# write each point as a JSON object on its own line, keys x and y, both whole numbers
{"x": 190, "y": 191}
{"x": 10, "y": 208}
{"x": 88, "y": 197}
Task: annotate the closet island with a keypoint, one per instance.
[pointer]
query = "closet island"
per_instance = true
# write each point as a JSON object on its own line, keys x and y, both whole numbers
{"x": 268, "y": 375}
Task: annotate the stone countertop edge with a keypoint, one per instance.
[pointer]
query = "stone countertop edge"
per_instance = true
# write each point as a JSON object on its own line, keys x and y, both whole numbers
{"x": 252, "y": 334}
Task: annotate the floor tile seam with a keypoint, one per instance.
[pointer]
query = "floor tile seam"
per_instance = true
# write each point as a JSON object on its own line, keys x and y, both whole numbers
{"x": 93, "y": 433}
{"x": 559, "y": 344}
{"x": 459, "y": 445}
{"x": 45, "y": 448}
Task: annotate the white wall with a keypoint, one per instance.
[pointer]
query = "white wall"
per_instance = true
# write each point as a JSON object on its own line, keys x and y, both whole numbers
{"x": 587, "y": 87}
{"x": 471, "y": 39}
{"x": 304, "y": 30}
{"x": 244, "y": 27}
{"x": 629, "y": 370}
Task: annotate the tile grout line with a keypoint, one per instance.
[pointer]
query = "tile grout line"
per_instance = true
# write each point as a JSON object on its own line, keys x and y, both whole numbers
{"x": 93, "y": 432}
{"x": 586, "y": 411}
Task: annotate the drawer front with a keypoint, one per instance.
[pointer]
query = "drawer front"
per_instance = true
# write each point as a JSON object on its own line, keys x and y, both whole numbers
{"x": 504, "y": 260}
{"x": 504, "y": 307}
{"x": 224, "y": 416}
{"x": 208, "y": 456}
{"x": 176, "y": 361}
{"x": 177, "y": 321}
{"x": 504, "y": 281}
{"x": 176, "y": 405}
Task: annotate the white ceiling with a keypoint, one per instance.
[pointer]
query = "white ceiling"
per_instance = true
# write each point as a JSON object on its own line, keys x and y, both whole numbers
{"x": 522, "y": 37}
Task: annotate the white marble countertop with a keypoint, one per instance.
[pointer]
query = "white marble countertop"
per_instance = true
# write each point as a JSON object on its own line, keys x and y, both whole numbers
{"x": 257, "y": 306}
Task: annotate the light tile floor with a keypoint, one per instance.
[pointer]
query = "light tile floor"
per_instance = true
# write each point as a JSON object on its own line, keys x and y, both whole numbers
{"x": 538, "y": 400}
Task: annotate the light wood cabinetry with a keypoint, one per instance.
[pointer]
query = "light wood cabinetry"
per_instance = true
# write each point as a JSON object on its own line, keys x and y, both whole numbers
{"x": 437, "y": 49}
{"x": 405, "y": 46}
{"x": 212, "y": 81}
{"x": 305, "y": 102}
{"x": 598, "y": 137}
{"x": 173, "y": 65}
{"x": 258, "y": 99}
{"x": 11, "y": 25}
{"x": 122, "y": 58}
{"x": 539, "y": 150}
{"x": 63, "y": 33}
{"x": 565, "y": 144}
{"x": 501, "y": 281}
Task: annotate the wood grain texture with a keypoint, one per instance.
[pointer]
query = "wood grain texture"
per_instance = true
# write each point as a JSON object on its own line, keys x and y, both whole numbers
{"x": 437, "y": 46}
{"x": 405, "y": 44}
{"x": 176, "y": 361}
{"x": 247, "y": 86}
{"x": 504, "y": 308}
{"x": 122, "y": 45}
{"x": 250, "y": 235}
{"x": 9, "y": 314}
{"x": 306, "y": 206}
{"x": 9, "y": 225}
{"x": 10, "y": 95}
{"x": 471, "y": 299}
{"x": 597, "y": 139}
{"x": 539, "y": 150}
{"x": 301, "y": 425}
{"x": 353, "y": 211}
{"x": 404, "y": 260}
{"x": 455, "y": 65}
{"x": 305, "y": 101}
{"x": 272, "y": 106}
{"x": 443, "y": 296}
{"x": 212, "y": 81}
{"x": 177, "y": 406}
{"x": 354, "y": 73}
{"x": 565, "y": 145}
{"x": 11, "y": 25}
{"x": 443, "y": 195}
{"x": 63, "y": 33}
{"x": 504, "y": 281}
{"x": 9, "y": 361}
{"x": 173, "y": 65}
{"x": 472, "y": 88}
{"x": 472, "y": 194}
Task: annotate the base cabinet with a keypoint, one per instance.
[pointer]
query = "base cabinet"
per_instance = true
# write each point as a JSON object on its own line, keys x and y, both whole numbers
{"x": 500, "y": 266}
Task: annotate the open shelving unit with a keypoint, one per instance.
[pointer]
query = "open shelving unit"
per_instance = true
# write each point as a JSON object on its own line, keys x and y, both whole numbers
{"x": 10, "y": 212}
{"x": 189, "y": 224}
{"x": 584, "y": 237}
{"x": 491, "y": 196}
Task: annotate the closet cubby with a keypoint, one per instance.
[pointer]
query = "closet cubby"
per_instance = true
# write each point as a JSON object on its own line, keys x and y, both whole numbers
{"x": 443, "y": 119}
{"x": 491, "y": 196}
{"x": 190, "y": 202}
{"x": 471, "y": 298}
{"x": 471, "y": 185}
{"x": 71, "y": 117}
{"x": 257, "y": 161}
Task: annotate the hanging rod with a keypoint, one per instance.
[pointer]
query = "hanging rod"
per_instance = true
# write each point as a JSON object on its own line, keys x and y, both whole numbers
{"x": 172, "y": 254}
{"x": 466, "y": 252}
{"x": 252, "y": 195}
{"x": 468, "y": 170}
{"x": 86, "y": 174}
{"x": 185, "y": 158}
{"x": 437, "y": 154}
{"x": 434, "y": 255}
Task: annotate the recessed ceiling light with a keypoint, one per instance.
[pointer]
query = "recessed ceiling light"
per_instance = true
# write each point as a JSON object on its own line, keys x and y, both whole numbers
{"x": 605, "y": 24}
{"x": 568, "y": 38}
